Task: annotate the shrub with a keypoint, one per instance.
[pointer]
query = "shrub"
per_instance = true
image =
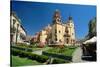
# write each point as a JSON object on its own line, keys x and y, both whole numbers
{"x": 41, "y": 45}
{"x": 22, "y": 44}
{"x": 23, "y": 48}
{"x": 39, "y": 58}
{"x": 18, "y": 47}
{"x": 61, "y": 46}
{"x": 15, "y": 52}
{"x": 32, "y": 46}
{"x": 29, "y": 49}
{"x": 57, "y": 61}
{"x": 42, "y": 58}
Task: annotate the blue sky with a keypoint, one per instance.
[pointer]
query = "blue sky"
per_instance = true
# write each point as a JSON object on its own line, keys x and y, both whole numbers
{"x": 35, "y": 16}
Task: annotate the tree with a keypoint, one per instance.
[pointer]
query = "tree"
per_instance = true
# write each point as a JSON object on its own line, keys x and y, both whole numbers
{"x": 92, "y": 28}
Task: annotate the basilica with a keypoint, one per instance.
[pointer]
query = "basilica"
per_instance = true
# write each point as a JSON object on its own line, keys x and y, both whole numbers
{"x": 57, "y": 33}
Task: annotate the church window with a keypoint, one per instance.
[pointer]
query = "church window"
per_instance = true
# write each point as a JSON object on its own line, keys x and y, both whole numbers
{"x": 55, "y": 31}
{"x": 14, "y": 20}
{"x": 60, "y": 40}
{"x": 67, "y": 31}
{"x": 55, "y": 35}
{"x": 67, "y": 40}
{"x": 64, "y": 35}
{"x": 59, "y": 31}
{"x": 72, "y": 33}
{"x": 56, "y": 39}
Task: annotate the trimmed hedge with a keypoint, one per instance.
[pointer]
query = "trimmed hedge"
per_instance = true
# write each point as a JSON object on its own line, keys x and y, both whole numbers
{"x": 69, "y": 58}
{"x": 65, "y": 51}
{"x": 39, "y": 58}
{"x": 22, "y": 48}
{"x": 22, "y": 44}
{"x": 58, "y": 61}
{"x": 32, "y": 46}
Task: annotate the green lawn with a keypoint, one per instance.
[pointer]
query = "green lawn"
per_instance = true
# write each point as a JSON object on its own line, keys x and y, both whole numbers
{"x": 17, "y": 61}
{"x": 64, "y": 51}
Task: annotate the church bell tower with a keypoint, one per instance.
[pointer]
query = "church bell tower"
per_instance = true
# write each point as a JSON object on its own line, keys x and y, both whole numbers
{"x": 56, "y": 17}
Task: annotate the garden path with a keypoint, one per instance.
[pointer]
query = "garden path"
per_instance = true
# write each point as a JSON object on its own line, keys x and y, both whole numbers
{"x": 77, "y": 56}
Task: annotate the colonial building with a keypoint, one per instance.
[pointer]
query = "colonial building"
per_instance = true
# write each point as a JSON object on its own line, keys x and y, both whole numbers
{"x": 69, "y": 32}
{"x": 58, "y": 33}
{"x": 42, "y": 37}
{"x": 36, "y": 38}
{"x": 17, "y": 32}
{"x": 58, "y": 29}
{"x": 62, "y": 34}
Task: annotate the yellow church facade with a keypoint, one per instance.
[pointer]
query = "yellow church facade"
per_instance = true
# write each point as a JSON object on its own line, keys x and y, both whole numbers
{"x": 58, "y": 33}
{"x": 62, "y": 34}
